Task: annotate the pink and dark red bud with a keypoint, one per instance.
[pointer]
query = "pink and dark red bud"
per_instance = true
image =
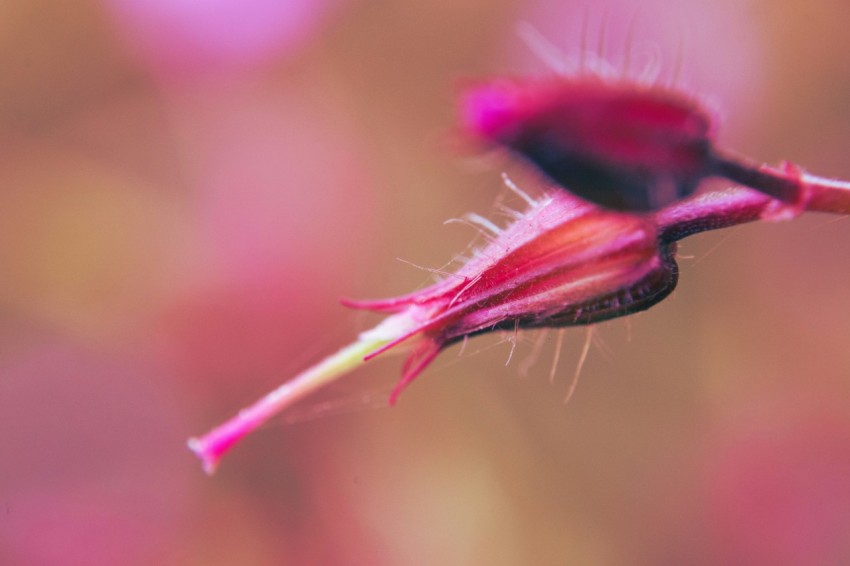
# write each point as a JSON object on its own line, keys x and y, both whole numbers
{"x": 564, "y": 263}
{"x": 621, "y": 145}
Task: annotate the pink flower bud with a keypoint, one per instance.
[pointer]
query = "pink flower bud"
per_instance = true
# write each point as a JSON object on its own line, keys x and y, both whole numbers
{"x": 564, "y": 263}
{"x": 624, "y": 145}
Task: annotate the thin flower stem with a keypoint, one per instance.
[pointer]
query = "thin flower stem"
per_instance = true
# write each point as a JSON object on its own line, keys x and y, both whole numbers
{"x": 213, "y": 445}
{"x": 738, "y": 205}
{"x": 773, "y": 182}
{"x": 789, "y": 184}
{"x": 828, "y": 195}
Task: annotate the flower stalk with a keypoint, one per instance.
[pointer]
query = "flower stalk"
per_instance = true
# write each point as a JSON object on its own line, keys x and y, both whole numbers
{"x": 213, "y": 445}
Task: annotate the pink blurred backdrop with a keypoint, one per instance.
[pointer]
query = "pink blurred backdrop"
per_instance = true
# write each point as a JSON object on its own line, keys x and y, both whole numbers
{"x": 186, "y": 188}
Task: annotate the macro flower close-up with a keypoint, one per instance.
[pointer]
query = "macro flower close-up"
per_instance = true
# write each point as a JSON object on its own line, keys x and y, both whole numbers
{"x": 513, "y": 282}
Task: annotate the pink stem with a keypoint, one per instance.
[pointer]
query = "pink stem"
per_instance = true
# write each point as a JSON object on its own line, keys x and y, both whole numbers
{"x": 737, "y": 205}
{"x": 828, "y": 195}
{"x": 213, "y": 445}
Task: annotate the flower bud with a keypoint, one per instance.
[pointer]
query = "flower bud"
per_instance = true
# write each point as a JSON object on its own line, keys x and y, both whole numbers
{"x": 564, "y": 263}
{"x": 625, "y": 146}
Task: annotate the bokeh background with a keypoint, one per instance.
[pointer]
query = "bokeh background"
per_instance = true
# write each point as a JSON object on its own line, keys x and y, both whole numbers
{"x": 186, "y": 188}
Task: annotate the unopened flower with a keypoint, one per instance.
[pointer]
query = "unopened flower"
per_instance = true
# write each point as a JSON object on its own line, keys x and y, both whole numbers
{"x": 624, "y": 145}
{"x": 564, "y": 262}
{"x": 618, "y": 142}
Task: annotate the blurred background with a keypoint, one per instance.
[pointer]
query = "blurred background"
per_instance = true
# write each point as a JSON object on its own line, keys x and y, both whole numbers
{"x": 187, "y": 188}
